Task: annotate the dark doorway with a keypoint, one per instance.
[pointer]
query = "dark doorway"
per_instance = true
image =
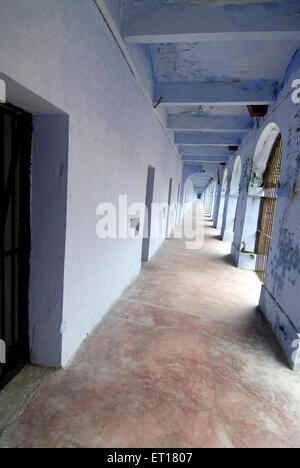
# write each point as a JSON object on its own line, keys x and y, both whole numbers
{"x": 169, "y": 204}
{"x": 267, "y": 209}
{"x": 15, "y": 157}
{"x": 148, "y": 215}
{"x": 178, "y": 201}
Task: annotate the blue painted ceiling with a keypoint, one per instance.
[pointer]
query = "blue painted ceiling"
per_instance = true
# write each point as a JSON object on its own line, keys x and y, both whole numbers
{"x": 163, "y": 30}
{"x": 208, "y": 110}
{"x": 131, "y": 3}
{"x": 199, "y": 180}
{"x": 221, "y": 61}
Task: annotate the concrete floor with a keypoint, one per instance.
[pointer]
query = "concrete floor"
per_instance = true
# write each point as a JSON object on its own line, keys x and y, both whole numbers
{"x": 184, "y": 359}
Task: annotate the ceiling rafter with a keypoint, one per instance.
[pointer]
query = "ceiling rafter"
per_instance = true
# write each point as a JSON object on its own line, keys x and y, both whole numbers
{"x": 205, "y": 159}
{"x": 204, "y": 151}
{"x": 197, "y": 23}
{"x": 209, "y": 123}
{"x": 254, "y": 92}
{"x": 207, "y": 139}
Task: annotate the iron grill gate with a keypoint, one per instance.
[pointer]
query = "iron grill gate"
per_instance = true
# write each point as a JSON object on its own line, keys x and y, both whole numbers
{"x": 15, "y": 156}
{"x": 267, "y": 209}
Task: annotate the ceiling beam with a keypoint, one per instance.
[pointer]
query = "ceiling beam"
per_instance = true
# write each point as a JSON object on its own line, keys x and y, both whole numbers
{"x": 207, "y": 139}
{"x": 204, "y": 151}
{"x": 209, "y": 123}
{"x": 254, "y": 92}
{"x": 201, "y": 179}
{"x": 196, "y": 23}
{"x": 205, "y": 159}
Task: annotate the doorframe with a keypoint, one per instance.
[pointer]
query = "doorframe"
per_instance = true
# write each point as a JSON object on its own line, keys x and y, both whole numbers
{"x": 148, "y": 217}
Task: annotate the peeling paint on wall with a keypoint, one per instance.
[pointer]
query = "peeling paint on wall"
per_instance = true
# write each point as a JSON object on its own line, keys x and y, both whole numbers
{"x": 220, "y": 61}
{"x": 287, "y": 260}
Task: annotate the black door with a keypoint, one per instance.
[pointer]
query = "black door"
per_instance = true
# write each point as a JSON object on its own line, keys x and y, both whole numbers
{"x": 15, "y": 157}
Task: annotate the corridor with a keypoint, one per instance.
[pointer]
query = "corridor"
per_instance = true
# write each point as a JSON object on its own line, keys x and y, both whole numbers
{"x": 183, "y": 359}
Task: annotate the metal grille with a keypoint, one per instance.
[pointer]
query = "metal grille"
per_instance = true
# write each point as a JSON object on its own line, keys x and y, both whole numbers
{"x": 267, "y": 209}
{"x": 15, "y": 150}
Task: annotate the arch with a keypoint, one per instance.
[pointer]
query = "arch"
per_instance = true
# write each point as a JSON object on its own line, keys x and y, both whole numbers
{"x": 245, "y": 250}
{"x": 222, "y": 199}
{"x": 236, "y": 177}
{"x": 190, "y": 171}
{"x": 188, "y": 193}
{"x": 262, "y": 153}
{"x": 227, "y": 232}
{"x": 268, "y": 204}
{"x": 209, "y": 198}
{"x": 225, "y": 181}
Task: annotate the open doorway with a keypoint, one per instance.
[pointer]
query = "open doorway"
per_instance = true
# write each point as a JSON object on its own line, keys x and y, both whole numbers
{"x": 33, "y": 219}
{"x": 148, "y": 216}
{"x": 267, "y": 209}
{"x": 169, "y": 204}
{"x": 254, "y": 239}
{"x": 178, "y": 203}
{"x": 15, "y": 160}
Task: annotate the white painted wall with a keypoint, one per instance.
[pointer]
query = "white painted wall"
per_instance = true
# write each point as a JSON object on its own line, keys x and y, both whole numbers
{"x": 63, "y": 51}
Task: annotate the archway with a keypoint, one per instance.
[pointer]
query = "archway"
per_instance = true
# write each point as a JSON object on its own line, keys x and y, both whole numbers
{"x": 246, "y": 257}
{"x": 267, "y": 209}
{"x": 227, "y": 232}
{"x": 222, "y": 200}
{"x": 209, "y": 198}
{"x": 189, "y": 195}
{"x": 193, "y": 178}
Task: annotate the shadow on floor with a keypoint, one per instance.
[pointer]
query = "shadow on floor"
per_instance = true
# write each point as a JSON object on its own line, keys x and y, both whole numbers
{"x": 265, "y": 339}
{"x": 216, "y": 237}
{"x": 228, "y": 260}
